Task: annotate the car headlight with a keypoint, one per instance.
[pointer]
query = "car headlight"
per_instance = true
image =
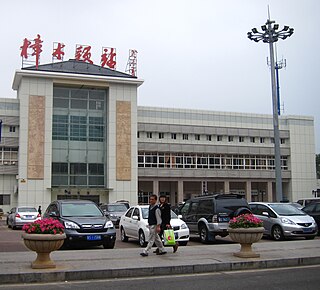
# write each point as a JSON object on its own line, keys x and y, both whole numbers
{"x": 183, "y": 226}
{"x": 287, "y": 221}
{"x": 71, "y": 225}
{"x": 108, "y": 224}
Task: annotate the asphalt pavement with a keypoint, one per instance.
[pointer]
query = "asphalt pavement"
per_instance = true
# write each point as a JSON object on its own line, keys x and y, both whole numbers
{"x": 15, "y": 267}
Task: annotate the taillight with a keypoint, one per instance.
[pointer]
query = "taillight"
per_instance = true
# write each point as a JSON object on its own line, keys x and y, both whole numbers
{"x": 17, "y": 215}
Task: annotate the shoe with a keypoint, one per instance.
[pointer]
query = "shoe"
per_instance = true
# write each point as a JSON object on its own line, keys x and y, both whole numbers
{"x": 175, "y": 247}
{"x": 156, "y": 251}
{"x": 143, "y": 254}
{"x": 161, "y": 253}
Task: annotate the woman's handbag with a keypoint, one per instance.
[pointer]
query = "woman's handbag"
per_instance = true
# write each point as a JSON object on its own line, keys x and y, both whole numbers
{"x": 169, "y": 239}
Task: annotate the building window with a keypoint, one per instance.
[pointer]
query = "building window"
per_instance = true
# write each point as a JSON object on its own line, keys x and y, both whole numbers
{"x": 262, "y": 139}
{"x": 12, "y": 129}
{"x": 197, "y": 137}
{"x": 5, "y": 199}
{"x": 282, "y": 141}
{"x": 219, "y": 138}
{"x": 78, "y": 128}
{"x": 241, "y": 139}
{"x": 173, "y": 136}
{"x": 230, "y": 138}
{"x": 185, "y": 136}
{"x": 161, "y": 135}
{"x": 138, "y": 134}
{"x": 252, "y": 139}
{"x": 272, "y": 140}
{"x": 96, "y": 129}
{"x": 208, "y": 137}
{"x": 149, "y": 135}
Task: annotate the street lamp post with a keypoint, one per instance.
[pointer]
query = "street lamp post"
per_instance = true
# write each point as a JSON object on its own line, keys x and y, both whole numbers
{"x": 270, "y": 35}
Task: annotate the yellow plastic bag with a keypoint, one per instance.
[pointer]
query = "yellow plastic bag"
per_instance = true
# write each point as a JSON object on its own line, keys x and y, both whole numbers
{"x": 169, "y": 239}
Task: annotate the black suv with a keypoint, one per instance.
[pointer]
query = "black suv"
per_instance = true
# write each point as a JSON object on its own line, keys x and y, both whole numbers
{"x": 209, "y": 215}
{"x": 84, "y": 222}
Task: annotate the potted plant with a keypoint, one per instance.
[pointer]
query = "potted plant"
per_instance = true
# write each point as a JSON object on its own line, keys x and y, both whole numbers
{"x": 43, "y": 237}
{"x": 246, "y": 229}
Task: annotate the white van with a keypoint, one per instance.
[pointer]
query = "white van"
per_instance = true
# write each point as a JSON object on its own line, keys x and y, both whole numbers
{"x": 308, "y": 200}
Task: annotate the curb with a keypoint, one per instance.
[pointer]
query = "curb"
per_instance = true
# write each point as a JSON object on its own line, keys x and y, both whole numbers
{"x": 76, "y": 275}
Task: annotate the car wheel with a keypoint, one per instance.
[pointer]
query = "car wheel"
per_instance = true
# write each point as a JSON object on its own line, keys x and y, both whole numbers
{"x": 142, "y": 239}
{"x": 109, "y": 244}
{"x": 203, "y": 234}
{"x": 277, "y": 233}
{"x": 124, "y": 238}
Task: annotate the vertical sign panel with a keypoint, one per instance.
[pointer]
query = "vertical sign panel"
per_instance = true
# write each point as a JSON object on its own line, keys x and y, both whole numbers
{"x": 123, "y": 140}
{"x": 36, "y": 129}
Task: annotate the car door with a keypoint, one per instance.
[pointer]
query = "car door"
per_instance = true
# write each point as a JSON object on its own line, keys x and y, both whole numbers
{"x": 189, "y": 215}
{"x": 267, "y": 216}
{"x": 126, "y": 222}
{"x": 135, "y": 220}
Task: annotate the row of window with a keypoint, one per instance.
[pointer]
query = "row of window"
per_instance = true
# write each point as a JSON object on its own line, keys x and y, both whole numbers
{"x": 78, "y": 174}
{"x": 8, "y": 156}
{"x": 208, "y": 161}
{"x": 78, "y": 128}
{"x": 218, "y": 138}
{"x": 83, "y": 99}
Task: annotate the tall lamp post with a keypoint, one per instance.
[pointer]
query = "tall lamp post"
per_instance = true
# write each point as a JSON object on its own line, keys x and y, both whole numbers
{"x": 270, "y": 34}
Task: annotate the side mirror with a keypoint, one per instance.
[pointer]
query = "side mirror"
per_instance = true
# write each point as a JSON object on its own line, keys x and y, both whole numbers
{"x": 180, "y": 216}
{"x": 53, "y": 214}
{"x": 135, "y": 217}
{"x": 265, "y": 214}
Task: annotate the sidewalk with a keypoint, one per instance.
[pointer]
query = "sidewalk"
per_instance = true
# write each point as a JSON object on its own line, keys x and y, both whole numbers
{"x": 119, "y": 263}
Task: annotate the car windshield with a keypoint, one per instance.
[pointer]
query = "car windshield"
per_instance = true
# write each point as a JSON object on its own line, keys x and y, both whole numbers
{"x": 286, "y": 209}
{"x": 117, "y": 208}
{"x": 26, "y": 209}
{"x": 145, "y": 213}
{"x": 80, "y": 210}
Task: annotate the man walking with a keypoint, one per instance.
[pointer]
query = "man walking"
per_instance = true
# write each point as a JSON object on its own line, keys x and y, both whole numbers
{"x": 154, "y": 221}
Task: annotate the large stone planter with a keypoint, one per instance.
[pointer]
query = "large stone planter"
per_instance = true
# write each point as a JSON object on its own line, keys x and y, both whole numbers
{"x": 43, "y": 245}
{"x": 246, "y": 237}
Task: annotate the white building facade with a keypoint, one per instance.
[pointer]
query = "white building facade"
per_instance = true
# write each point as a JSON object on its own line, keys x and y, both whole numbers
{"x": 75, "y": 131}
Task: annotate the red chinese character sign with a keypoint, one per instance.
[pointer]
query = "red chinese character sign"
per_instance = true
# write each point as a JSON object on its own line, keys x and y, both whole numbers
{"x": 108, "y": 57}
{"x": 58, "y": 51}
{"x": 31, "y": 49}
{"x": 83, "y": 53}
{"x": 132, "y": 63}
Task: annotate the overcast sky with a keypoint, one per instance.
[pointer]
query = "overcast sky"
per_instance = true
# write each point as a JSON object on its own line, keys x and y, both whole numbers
{"x": 191, "y": 53}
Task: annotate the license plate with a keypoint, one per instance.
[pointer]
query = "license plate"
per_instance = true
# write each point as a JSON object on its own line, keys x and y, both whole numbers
{"x": 223, "y": 219}
{"x": 94, "y": 238}
{"x": 307, "y": 230}
{"x": 28, "y": 217}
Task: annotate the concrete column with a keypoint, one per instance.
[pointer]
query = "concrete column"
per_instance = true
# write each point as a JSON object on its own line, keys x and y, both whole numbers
{"x": 155, "y": 189}
{"x": 248, "y": 191}
{"x": 180, "y": 191}
{"x": 269, "y": 191}
{"x": 226, "y": 187}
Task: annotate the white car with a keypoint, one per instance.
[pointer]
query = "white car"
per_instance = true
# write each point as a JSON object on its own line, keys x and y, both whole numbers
{"x": 133, "y": 224}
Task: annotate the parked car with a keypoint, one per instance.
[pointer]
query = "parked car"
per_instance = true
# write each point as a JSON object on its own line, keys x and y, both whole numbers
{"x": 84, "y": 222}
{"x": 21, "y": 215}
{"x": 305, "y": 201}
{"x": 209, "y": 215}
{"x": 281, "y": 220}
{"x": 114, "y": 211}
{"x": 133, "y": 224}
{"x": 313, "y": 209}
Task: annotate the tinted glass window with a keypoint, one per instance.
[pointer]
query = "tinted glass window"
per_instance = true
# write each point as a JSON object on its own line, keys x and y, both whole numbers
{"x": 80, "y": 209}
{"x": 129, "y": 212}
{"x": 184, "y": 210}
{"x": 205, "y": 206}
